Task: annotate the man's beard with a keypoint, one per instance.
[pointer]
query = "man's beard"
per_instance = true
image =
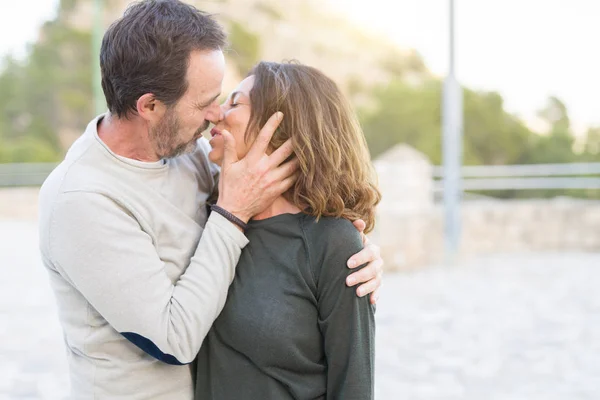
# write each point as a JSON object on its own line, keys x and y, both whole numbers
{"x": 165, "y": 137}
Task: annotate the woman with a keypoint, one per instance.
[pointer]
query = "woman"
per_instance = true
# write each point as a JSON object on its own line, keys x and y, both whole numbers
{"x": 291, "y": 328}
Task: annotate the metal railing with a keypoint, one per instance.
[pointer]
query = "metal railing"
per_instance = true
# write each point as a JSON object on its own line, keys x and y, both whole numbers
{"x": 483, "y": 177}
{"x": 24, "y": 174}
{"x": 523, "y": 177}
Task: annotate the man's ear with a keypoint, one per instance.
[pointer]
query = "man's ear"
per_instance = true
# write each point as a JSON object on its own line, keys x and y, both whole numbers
{"x": 150, "y": 109}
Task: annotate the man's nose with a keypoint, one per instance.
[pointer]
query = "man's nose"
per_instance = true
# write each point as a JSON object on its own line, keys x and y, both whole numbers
{"x": 215, "y": 114}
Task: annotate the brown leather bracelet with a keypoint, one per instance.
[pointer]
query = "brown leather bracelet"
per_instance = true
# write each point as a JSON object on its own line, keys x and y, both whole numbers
{"x": 229, "y": 216}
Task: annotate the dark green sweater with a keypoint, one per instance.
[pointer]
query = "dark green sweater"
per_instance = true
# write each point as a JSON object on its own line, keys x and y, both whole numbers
{"x": 291, "y": 328}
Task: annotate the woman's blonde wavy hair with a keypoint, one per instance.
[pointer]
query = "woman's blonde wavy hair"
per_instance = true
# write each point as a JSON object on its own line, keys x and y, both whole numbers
{"x": 337, "y": 178}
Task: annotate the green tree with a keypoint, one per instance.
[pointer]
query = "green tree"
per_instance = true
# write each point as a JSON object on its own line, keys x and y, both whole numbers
{"x": 48, "y": 91}
{"x": 491, "y": 135}
{"x": 556, "y": 145}
{"x": 412, "y": 114}
{"x": 245, "y": 47}
{"x": 592, "y": 144}
{"x": 404, "y": 114}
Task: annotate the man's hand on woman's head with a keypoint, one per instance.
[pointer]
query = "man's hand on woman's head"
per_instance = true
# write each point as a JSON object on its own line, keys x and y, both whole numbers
{"x": 249, "y": 185}
{"x": 370, "y": 276}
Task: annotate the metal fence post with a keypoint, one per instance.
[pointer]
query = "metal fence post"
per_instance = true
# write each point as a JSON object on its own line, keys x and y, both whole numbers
{"x": 97, "y": 33}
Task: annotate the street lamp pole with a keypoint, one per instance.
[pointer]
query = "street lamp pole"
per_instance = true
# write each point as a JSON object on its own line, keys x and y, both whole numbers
{"x": 452, "y": 132}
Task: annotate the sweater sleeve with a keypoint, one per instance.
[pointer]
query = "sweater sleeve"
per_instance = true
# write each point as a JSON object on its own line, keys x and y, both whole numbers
{"x": 103, "y": 251}
{"x": 346, "y": 321}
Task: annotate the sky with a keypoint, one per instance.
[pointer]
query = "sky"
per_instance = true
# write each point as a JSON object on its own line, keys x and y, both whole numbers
{"x": 20, "y": 22}
{"x": 526, "y": 50}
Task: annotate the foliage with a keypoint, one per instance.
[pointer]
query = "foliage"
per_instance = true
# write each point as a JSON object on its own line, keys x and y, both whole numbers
{"x": 50, "y": 93}
{"x": 592, "y": 144}
{"x": 245, "y": 47}
{"x": 412, "y": 115}
{"x": 404, "y": 114}
{"x": 269, "y": 10}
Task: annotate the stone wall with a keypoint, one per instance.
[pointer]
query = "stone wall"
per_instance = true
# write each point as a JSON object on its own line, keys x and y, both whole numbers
{"x": 410, "y": 224}
{"x": 19, "y": 203}
{"x": 411, "y": 240}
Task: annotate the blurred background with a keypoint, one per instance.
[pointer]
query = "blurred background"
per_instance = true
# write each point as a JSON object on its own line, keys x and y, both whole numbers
{"x": 485, "y": 134}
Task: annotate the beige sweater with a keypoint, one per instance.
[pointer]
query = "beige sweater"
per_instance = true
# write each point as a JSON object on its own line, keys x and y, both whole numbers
{"x": 138, "y": 271}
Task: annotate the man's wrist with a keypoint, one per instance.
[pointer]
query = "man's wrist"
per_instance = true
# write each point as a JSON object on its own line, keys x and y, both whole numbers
{"x": 229, "y": 216}
{"x": 232, "y": 210}
{"x": 238, "y": 219}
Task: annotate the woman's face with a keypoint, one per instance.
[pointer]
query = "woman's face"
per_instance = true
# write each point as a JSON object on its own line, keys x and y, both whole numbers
{"x": 235, "y": 117}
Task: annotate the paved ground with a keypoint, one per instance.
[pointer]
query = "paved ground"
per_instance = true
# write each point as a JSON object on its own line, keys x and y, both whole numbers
{"x": 505, "y": 327}
{"x": 32, "y": 361}
{"x": 502, "y": 327}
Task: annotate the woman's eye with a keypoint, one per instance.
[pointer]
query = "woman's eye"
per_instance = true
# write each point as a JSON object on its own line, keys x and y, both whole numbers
{"x": 232, "y": 105}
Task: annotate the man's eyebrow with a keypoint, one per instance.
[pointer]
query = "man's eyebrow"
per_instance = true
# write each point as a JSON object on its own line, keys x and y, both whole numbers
{"x": 209, "y": 102}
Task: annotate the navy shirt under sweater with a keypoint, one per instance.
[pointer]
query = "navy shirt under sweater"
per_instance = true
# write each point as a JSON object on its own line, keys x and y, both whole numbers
{"x": 291, "y": 328}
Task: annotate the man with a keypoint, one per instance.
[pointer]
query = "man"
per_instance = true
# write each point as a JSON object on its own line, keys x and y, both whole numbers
{"x": 139, "y": 269}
